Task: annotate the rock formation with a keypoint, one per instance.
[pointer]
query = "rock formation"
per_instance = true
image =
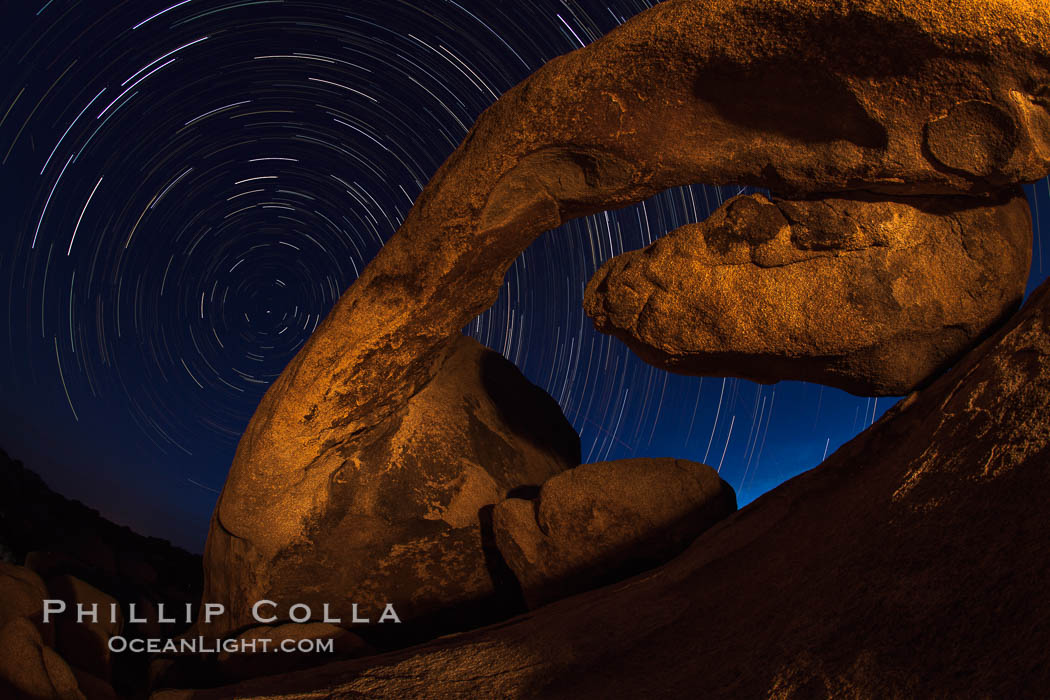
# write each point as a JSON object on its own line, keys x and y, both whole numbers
{"x": 85, "y": 644}
{"x": 22, "y": 594}
{"x": 868, "y": 294}
{"x": 912, "y": 563}
{"x": 31, "y": 669}
{"x": 894, "y": 135}
{"x": 398, "y": 520}
{"x": 923, "y": 103}
{"x": 61, "y": 659}
{"x": 927, "y": 97}
{"x": 55, "y": 536}
{"x": 85, "y": 558}
{"x": 603, "y": 522}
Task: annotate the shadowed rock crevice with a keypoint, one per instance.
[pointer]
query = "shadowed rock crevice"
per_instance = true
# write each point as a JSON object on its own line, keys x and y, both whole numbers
{"x": 506, "y": 584}
{"x": 533, "y": 416}
{"x": 778, "y": 97}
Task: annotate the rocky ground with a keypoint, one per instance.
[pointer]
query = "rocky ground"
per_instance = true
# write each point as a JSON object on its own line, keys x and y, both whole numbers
{"x": 56, "y": 548}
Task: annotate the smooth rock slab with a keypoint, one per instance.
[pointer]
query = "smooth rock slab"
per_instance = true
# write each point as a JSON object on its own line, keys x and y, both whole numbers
{"x": 874, "y": 296}
{"x": 606, "y": 521}
{"x": 262, "y": 660}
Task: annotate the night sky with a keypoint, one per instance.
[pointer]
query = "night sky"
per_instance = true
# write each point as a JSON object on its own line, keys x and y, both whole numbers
{"x": 189, "y": 186}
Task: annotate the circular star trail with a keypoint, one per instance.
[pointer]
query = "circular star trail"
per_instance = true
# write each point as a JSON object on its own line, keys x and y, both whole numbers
{"x": 189, "y": 186}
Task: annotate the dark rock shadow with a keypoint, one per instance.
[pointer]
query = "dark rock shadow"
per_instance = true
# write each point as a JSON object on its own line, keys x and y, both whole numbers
{"x": 778, "y": 99}
{"x": 527, "y": 409}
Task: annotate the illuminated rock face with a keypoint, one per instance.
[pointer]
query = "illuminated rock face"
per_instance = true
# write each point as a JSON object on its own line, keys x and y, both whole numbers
{"x": 606, "y": 521}
{"x": 901, "y": 99}
{"x": 874, "y": 296}
{"x": 399, "y": 521}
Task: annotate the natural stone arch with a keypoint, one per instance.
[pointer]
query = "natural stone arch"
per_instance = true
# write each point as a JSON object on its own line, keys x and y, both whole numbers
{"x": 603, "y": 127}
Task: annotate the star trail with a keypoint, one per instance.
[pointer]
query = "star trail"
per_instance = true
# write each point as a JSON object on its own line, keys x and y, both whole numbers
{"x": 189, "y": 186}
